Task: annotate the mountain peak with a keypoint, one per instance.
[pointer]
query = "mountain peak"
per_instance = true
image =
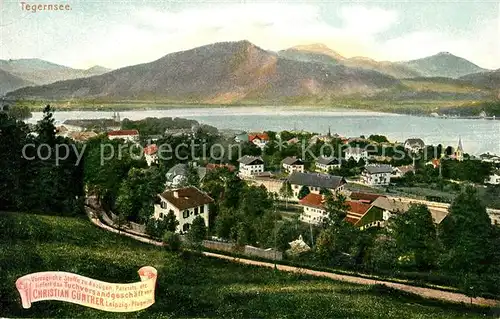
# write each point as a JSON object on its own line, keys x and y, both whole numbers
{"x": 444, "y": 64}
{"x": 97, "y": 68}
{"x": 318, "y": 48}
{"x": 445, "y": 53}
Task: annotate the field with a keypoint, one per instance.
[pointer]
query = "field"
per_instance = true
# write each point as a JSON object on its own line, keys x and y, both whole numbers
{"x": 189, "y": 286}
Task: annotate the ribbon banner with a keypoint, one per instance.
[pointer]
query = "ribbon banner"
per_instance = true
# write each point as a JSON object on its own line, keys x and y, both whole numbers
{"x": 69, "y": 287}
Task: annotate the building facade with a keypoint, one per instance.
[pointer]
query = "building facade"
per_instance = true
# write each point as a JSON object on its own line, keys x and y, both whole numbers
{"x": 292, "y": 164}
{"x": 127, "y": 135}
{"x": 186, "y": 204}
{"x": 250, "y": 166}
{"x": 325, "y": 164}
{"x": 356, "y": 153}
{"x": 315, "y": 182}
{"x": 377, "y": 175}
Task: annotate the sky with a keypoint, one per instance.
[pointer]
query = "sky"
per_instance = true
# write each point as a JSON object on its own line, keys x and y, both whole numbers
{"x": 115, "y": 34}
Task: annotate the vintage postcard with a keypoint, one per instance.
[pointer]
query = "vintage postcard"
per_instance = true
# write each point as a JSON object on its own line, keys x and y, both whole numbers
{"x": 249, "y": 159}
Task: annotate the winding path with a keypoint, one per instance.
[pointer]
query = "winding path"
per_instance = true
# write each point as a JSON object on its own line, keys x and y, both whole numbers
{"x": 424, "y": 292}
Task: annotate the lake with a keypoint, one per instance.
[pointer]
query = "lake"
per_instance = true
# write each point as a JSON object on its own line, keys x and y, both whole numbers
{"x": 478, "y": 136}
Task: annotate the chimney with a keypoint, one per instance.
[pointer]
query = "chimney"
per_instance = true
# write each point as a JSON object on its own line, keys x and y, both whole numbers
{"x": 176, "y": 194}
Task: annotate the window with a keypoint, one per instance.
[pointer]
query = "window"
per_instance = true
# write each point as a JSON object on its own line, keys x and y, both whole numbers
{"x": 185, "y": 214}
{"x": 161, "y": 215}
{"x": 202, "y": 209}
{"x": 196, "y": 210}
{"x": 185, "y": 227}
{"x": 163, "y": 204}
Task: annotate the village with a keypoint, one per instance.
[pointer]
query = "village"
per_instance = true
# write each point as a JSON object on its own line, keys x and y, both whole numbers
{"x": 360, "y": 174}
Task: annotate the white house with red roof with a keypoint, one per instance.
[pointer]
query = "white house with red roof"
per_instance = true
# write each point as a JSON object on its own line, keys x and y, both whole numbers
{"x": 259, "y": 139}
{"x": 314, "y": 209}
{"x": 127, "y": 135}
{"x": 151, "y": 154}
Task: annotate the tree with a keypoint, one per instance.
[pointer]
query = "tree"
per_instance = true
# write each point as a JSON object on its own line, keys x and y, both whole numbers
{"x": 12, "y": 141}
{"x": 193, "y": 178}
{"x": 45, "y": 127}
{"x": 137, "y": 194}
{"x": 378, "y": 138}
{"x": 171, "y": 222}
{"x": 466, "y": 235}
{"x": 336, "y": 208}
{"x": 304, "y": 191}
{"x": 286, "y": 192}
{"x": 416, "y": 238}
{"x": 197, "y": 231}
{"x": 172, "y": 241}
{"x": 20, "y": 112}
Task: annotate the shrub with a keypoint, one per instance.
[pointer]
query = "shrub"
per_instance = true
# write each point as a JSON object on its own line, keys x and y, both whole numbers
{"x": 172, "y": 240}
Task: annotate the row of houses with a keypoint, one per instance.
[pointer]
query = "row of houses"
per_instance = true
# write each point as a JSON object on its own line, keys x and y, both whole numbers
{"x": 373, "y": 174}
{"x": 364, "y": 210}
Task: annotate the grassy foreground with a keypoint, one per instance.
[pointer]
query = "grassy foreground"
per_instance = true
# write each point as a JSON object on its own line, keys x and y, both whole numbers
{"x": 189, "y": 286}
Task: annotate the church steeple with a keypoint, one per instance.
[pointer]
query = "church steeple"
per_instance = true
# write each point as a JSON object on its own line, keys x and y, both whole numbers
{"x": 329, "y": 132}
{"x": 459, "y": 153}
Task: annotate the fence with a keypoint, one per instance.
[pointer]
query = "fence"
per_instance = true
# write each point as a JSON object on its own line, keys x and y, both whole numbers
{"x": 269, "y": 253}
{"x": 131, "y": 225}
{"x": 227, "y": 247}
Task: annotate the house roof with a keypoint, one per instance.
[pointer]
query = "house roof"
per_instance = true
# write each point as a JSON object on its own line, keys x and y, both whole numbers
{"x": 182, "y": 170}
{"x": 82, "y": 136}
{"x": 378, "y": 169}
{"x": 211, "y": 166}
{"x": 405, "y": 169}
{"x": 357, "y": 208}
{"x": 123, "y": 133}
{"x": 391, "y": 205}
{"x": 313, "y": 200}
{"x": 260, "y": 136}
{"x": 327, "y": 160}
{"x": 177, "y": 169}
{"x": 248, "y": 160}
{"x": 355, "y": 150}
{"x": 185, "y": 198}
{"x": 415, "y": 142}
{"x": 151, "y": 149}
{"x": 292, "y": 160}
{"x": 316, "y": 180}
{"x": 364, "y": 196}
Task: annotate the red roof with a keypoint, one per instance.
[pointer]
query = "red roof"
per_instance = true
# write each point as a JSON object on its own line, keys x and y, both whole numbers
{"x": 313, "y": 200}
{"x": 151, "y": 149}
{"x": 260, "y": 136}
{"x": 357, "y": 208}
{"x": 364, "y": 197}
{"x": 230, "y": 167}
{"x": 123, "y": 133}
{"x": 436, "y": 162}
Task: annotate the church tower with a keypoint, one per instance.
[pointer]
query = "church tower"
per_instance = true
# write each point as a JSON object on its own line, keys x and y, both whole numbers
{"x": 459, "y": 153}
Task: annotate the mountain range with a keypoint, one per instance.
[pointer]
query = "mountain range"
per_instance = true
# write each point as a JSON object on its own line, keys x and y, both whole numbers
{"x": 232, "y": 72}
{"x": 40, "y": 72}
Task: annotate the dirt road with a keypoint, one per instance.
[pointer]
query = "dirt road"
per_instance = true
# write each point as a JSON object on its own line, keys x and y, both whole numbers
{"x": 424, "y": 292}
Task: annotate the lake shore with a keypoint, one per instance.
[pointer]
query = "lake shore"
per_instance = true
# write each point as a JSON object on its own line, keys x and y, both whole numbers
{"x": 422, "y": 108}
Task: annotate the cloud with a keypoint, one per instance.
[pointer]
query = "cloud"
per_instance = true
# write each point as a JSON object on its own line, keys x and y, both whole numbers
{"x": 142, "y": 34}
{"x": 150, "y": 34}
{"x": 367, "y": 21}
{"x": 480, "y": 45}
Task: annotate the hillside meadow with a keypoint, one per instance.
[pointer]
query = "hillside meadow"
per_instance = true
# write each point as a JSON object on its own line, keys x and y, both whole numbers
{"x": 189, "y": 285}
